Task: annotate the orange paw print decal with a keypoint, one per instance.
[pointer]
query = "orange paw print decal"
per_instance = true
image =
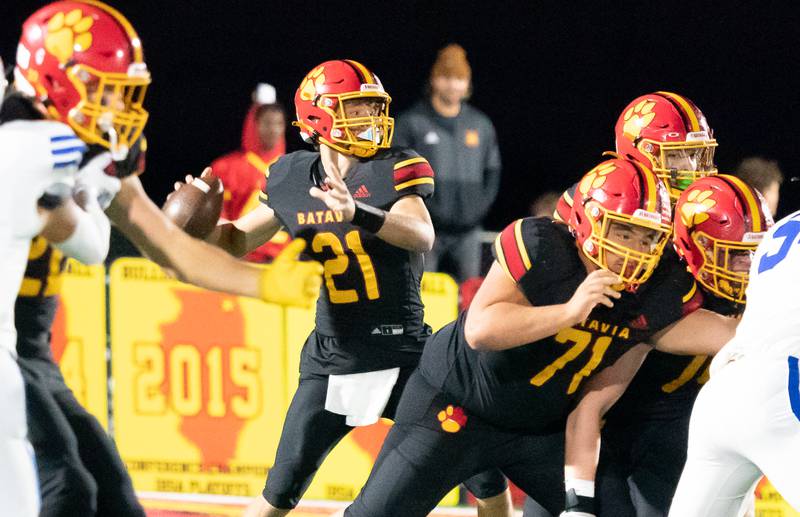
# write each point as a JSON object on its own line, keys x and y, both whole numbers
{"x": 314, "y": 80}
{"x": 638, "y": 117}
{"x": 68, "y": 33}
{"x": 693, "y": 212}
{"x": 596, "y": 177}
{"x": 452, "y": 418}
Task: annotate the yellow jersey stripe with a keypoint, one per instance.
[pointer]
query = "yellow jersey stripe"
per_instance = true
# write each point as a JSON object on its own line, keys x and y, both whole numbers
{"x": 690, "y": 115}
{"x": 521, "y": 245}
{"x": 501, "y": 259}
{"x": 411, "y": 183}
{"x": 567, "y": 197}
{"x": 256, "y": 161}
{"x": 410, "y": 161}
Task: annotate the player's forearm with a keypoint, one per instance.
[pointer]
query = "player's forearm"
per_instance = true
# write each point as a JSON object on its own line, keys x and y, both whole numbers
{"x": 407, "y": 232}
{"x": 203, "y": 265}
{"x": 192, "y": 260}
{"x": 702, "y": 332}
{"x": 505, "y": 325}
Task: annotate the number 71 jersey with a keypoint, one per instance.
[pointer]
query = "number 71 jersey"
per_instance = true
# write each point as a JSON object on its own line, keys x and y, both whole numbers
{"x": 532, "y": 387}
{"x": 371, "y": 288}
{"x": 771, "y": 321}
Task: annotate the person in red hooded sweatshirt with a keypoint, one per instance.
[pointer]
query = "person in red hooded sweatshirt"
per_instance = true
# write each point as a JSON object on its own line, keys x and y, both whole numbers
{"x": 242, "y": 171}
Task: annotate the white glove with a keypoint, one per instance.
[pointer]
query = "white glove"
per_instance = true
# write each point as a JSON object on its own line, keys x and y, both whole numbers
{"x": 575, "y": 514}
{"x": 93, "y": 178}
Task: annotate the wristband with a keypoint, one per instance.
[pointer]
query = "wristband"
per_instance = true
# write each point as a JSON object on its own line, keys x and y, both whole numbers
{"x": 579, "y": 496}
{"x": 368, "y": 217}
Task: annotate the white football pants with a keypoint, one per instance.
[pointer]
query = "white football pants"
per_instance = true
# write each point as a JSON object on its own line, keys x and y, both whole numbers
{"x": 19, "y": 487}
{"x": 745, "y": 422}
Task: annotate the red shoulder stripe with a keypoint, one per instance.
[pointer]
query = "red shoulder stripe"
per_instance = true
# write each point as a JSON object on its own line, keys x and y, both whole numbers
{"x": 412, "y": 172}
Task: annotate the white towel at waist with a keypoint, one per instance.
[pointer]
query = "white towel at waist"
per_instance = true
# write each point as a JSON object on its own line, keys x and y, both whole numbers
{"x": 361, "y": 397}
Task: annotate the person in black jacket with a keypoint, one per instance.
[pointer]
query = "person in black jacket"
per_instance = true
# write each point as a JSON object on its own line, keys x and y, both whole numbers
{"x": 460, "y": 143}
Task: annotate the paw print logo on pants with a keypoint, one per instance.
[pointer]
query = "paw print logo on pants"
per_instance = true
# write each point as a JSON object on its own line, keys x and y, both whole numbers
{"x": 312, "y": 82}
{"x": 596, "y": 177}
{"x": 452, "y": 418}
{"x": 67, "y": 34}
{"x": 638, "y": 117}
{"x": 693, "y": 212}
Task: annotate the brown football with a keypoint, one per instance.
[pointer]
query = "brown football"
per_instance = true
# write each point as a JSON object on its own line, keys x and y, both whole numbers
{"x": 195, "y": 207}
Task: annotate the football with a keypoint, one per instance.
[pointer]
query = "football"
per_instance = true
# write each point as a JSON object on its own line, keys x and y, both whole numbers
{"x": 195, "y": 207}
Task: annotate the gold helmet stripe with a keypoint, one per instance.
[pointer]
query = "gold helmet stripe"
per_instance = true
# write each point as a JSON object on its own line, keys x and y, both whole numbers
{"x": 368, "y": 77}
{"x": 688, "y": 114}
{"x": 752, "y": 201}
{"x": 651, "y": 203}
{"x": 136, "y": 43}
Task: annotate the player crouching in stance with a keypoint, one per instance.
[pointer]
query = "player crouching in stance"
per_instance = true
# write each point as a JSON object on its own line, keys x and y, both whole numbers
{"x": 719, "y": 221}
{"x": 494, "y": 388}
{"x": 746, "y": 420}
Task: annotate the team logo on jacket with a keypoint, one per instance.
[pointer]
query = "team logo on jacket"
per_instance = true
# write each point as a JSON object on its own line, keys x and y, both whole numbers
{"x": 431, "y": 138}
{"x": 471, "y": 138}
{"x": 452, "y": 418}
{"x": 68, "y": 33}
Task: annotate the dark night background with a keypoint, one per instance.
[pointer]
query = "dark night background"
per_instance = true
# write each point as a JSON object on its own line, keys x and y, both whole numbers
{"x": 553, "y": 76}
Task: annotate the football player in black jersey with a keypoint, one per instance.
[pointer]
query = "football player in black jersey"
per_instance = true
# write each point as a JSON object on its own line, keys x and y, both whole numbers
{"x": 359, "y": 203}
{"x": 494, "y": 388}
{"x": 669, "y": 133}
{"x": 719, "y": 221}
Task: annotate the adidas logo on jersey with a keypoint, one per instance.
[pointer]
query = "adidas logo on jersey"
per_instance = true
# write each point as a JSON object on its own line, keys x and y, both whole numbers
{"x": 362, "y": 192}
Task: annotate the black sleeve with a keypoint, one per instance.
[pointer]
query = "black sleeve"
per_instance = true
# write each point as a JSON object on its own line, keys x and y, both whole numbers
{"x": 537, "y": 255}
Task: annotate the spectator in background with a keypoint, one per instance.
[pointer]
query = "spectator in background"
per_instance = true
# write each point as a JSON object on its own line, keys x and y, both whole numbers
{"x": 763, "y": 175}
{"x": 545, "y": 205}
{"x": 242, "y": 171}
{"x": 460, "y": 143}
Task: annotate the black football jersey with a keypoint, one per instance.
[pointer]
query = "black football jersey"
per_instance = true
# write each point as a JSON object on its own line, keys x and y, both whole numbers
{"x": 666, "y": 385}
{"x": 371, "y": 288}
{"x": 531, "y": 387}
{"x": 37, "y": 300}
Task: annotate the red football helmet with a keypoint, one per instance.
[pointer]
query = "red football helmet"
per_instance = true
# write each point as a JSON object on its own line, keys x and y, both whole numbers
{"x": 669, "y": 134}
{"x": 84, "y": 61}
{"x": 613, "y": 202}
{"x": 719, "y": 222}
{"x": 320, "y": 103}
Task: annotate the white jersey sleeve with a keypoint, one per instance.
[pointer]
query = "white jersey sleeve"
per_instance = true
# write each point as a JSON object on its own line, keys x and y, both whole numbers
{"x": 36, "y": 158}
{"x": 771, "y": 322}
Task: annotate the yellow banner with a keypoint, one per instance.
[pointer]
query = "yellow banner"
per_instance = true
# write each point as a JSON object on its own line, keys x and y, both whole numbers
{"x": 769, "y": 502}
{"x": 202, "y": 382}
{"x": 78, "y": 340}
{"x": 199, "y": 383}
{"x": 347, "y": 467}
